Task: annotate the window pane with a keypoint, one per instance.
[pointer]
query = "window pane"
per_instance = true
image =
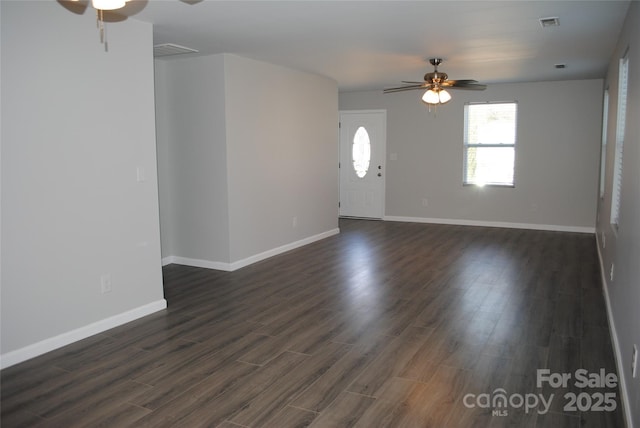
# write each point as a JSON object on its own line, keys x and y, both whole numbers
{"x": 603, "y": 154}
{"x": 490, "y": 138}
{"x": 490, "y": 165}
{"x": 491, "y": 123}
{"x": 361, "y": 152}
{"x": 616, "y": 191}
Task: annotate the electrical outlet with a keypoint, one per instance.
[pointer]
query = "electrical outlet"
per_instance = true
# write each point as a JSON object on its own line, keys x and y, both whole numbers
{"x": 105, "y": 283}
{"x": 425, "y": 202}
{"x": 611, "y": 272}
{"x": 294, "y": 222}
{"x": 141, "y": 175}
{"x": 634, "y": 361}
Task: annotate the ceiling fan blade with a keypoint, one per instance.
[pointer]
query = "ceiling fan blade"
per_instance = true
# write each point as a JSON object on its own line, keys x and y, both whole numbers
{"x": 406, "y": 88}
{"x": 473, "y": 87}
{"x": 460, "y": 81}
{"x": 464, "y": 84}
{"x": 438, "y": 80}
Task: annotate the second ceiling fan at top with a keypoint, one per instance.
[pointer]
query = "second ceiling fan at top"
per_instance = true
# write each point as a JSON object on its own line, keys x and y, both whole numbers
{"x": 435, "y": 84}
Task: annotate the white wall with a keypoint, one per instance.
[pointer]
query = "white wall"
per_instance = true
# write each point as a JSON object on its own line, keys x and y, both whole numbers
{"x": 282, "y": 155}
{"x": 244, "y": 148}
{"x": 622, "y": 247}
{"x": 76, "y": 124}
{"x": 557, "y": 153}
{"x": 190, "y": 101}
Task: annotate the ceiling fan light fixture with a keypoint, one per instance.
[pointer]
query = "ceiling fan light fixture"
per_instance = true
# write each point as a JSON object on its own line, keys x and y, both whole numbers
{"x": 108, "y": 4}
{"x": 431, "y": 97}
{"x": 445, "y": 97}
{"x": 436, "y": 96}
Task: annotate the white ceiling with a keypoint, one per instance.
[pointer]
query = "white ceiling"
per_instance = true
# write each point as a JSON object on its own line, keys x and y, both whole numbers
{"x": 366, "y": 45}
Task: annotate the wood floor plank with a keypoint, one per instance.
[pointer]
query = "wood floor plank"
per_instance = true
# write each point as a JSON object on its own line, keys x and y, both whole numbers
{"x": 83, "y": 353}
{"x": 564, "y": 357}
{"x": 390, "y": 362}
{"x": 91, "y": 393}
{"x": 282, "y": 392}
{"x": 58, "y": 395}
{"x": 344, "y": 412}
{"x": 291, "y": 417}
{"x": 383, "y": 325}
{"x": 474, "y": 417}
{"x": 317, "y": 336}
{"x": 21, "y": 385}
{"x": 211, "y": 403}
{"x": 335, "y": 380}
{"x": 361, "y": 325}
{"x": 228, "y": 424}
{"x": 594, "y": 312}
{"x": 20, "y": 418}
{"x": 176, "y": 379}
{"x": 439, "y": 399}
{"x": 520, "y": 419}
{"x": 559, "y": 420}
{"x": 603, "y": 419}
{"x": 567, "y": 319}
{"x": 100, "y": 414}
{"x": 387, "y": 408}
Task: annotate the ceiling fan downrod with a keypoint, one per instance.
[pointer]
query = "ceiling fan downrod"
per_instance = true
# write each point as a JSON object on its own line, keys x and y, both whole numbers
{"x": 434, "y": 77}
{"x": 435, "y": 62}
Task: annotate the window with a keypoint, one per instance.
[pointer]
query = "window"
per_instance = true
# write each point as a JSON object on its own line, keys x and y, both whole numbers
{"x": 620, "y": 130}
{"x": 603, "y": 153}
{"x": 490, "y": 143}
{"x": 361, "y": 152}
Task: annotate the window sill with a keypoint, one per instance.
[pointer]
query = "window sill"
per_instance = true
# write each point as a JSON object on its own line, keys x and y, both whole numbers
{"x": 614, "y": 228}
{"x": 511, "y": 186}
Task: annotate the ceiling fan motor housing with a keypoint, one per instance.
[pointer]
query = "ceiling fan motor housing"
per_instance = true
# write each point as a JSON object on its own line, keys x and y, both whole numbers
{"x": 435, "y": 77}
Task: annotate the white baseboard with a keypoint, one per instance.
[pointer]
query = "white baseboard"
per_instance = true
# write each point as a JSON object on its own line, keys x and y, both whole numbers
{"x": 230, "y": 267}
{"x": 64, "y": 339}
{"x": 614, "y": 339}
{"x": 462, "y": 222}
{"x": 196, "y": 263}
{"x": 283, "y": 249}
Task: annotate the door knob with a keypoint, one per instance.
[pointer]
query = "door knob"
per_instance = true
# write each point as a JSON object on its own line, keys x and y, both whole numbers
{"x": 379, "y": 174}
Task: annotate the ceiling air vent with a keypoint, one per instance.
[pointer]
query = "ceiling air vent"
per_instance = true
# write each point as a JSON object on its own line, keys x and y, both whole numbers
{"x": 167, "y": 49}
{"x": 550, "y": 22}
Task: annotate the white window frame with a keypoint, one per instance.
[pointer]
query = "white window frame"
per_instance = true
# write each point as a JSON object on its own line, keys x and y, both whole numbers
{"x": 616, "y": 190}
{"x": 603, "y": 151}
{"x": 467, "y": 146}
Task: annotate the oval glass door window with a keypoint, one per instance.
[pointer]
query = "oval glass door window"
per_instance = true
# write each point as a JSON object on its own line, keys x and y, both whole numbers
{"x": 361, "y": 152}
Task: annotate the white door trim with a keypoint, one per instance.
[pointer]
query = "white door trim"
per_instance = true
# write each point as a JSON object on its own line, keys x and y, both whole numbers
{"x": 373, "y": 168}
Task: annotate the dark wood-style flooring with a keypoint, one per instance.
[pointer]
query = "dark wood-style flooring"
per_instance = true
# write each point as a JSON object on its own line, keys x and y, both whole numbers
{"x": 385, "y": 325}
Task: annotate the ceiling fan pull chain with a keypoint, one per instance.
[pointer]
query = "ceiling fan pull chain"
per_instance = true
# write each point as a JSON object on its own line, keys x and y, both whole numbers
{"x": 100, "y": 24}
{"x": 106, "y": 43}
{"x": 102, "y": 28}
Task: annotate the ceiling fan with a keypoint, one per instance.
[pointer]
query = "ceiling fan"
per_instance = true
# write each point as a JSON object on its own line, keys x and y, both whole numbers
{"x": 435, "y": 84}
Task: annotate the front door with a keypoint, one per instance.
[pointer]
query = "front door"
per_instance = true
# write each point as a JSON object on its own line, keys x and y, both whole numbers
{"x": 363, "y": 139}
